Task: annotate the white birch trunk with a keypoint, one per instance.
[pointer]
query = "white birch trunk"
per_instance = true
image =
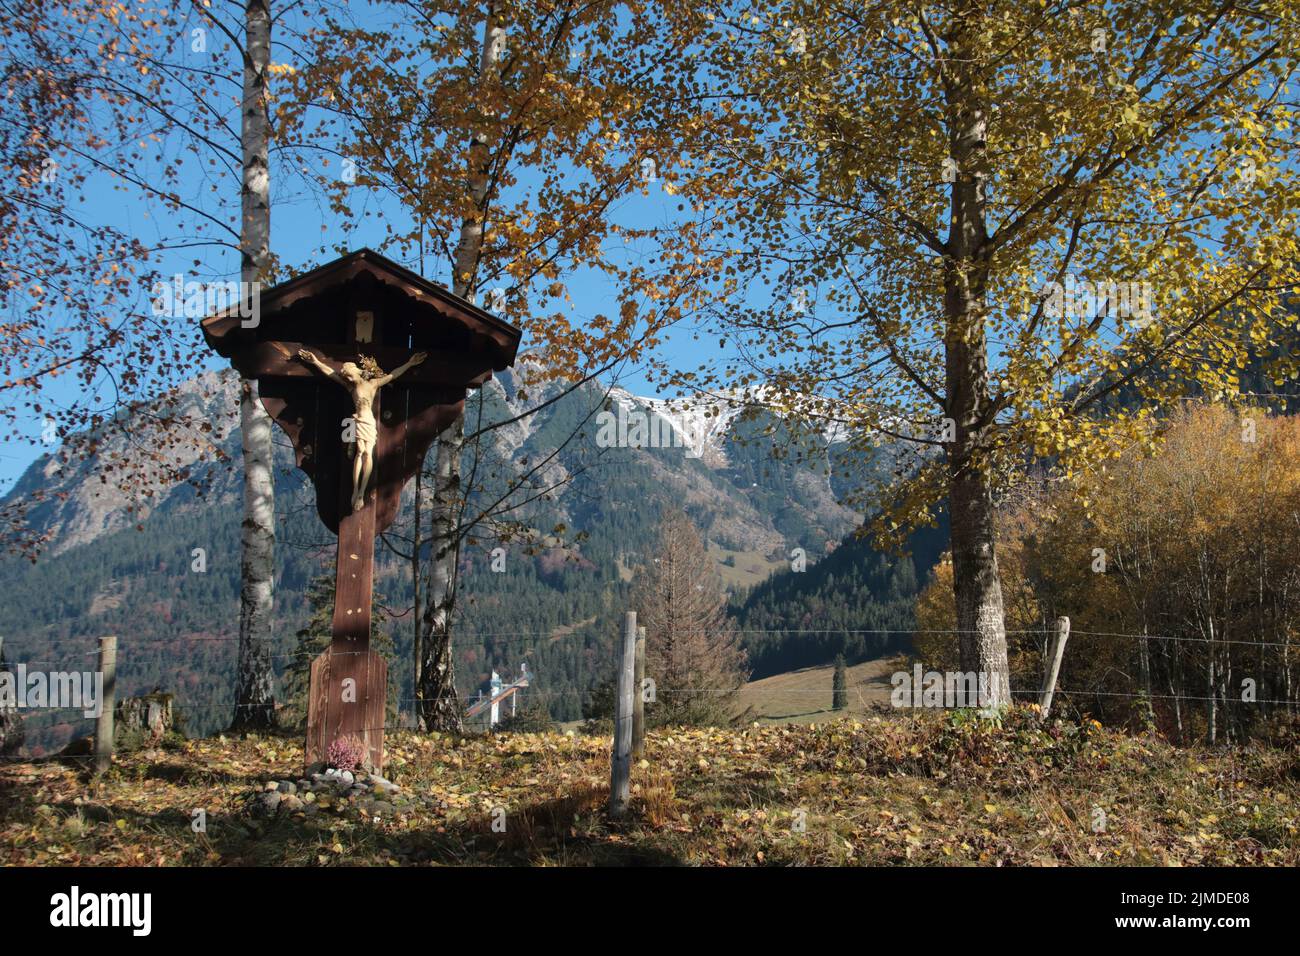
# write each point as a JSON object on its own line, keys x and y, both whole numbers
{"x": 254, "y": 696}
{"x": 438, "y": 700}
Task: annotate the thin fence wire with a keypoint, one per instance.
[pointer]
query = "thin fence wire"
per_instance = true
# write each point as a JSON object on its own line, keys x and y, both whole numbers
{"x": 750, "y": 691}
{"x": 764, "y": 694}
{"x": 498, "y": 638}
{"x": 794, "y": 692}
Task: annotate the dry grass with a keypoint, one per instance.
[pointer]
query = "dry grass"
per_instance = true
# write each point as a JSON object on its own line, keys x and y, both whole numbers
{"x": 938, "y": 788}
{"x": 804, "y": 696}
{"x": 750, "y": 567}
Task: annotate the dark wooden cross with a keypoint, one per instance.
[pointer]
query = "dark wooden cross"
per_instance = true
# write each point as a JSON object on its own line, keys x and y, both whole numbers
{"x": 359, "y": 308}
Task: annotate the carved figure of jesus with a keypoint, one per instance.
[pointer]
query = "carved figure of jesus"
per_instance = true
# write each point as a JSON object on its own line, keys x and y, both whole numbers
{"x": 363, "y": 383}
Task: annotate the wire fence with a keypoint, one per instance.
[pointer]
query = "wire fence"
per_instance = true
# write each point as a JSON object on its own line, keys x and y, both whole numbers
{"x": 533, "y": 637}
{"x": 752, "y": 692}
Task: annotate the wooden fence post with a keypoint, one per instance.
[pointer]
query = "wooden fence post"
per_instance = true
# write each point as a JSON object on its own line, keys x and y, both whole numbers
{"x": 1055, "y": 653}
{"x": 107, "y": 701}
{"x": 638, "y": 697}
{"x": 11, "y": 723}
{"x": 620, "y": 762}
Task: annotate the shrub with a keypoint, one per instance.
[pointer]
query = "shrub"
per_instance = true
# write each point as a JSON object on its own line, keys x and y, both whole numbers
{"x": 346, "y": 753}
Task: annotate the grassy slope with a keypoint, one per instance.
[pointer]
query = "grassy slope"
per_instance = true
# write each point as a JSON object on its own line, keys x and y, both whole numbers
{"x": 751, "y": 567}
{"x": 804, "y": 696}
{"x": 935, "y": 789}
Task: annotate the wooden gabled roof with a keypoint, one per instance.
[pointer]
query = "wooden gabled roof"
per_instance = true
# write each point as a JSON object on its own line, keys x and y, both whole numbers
{"x": 225, "y": 333}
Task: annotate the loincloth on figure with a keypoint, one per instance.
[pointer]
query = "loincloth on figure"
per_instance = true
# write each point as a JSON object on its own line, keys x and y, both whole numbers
{"x": 365, "y": 433}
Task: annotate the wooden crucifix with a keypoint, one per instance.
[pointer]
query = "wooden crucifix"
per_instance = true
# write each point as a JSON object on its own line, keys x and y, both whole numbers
{"x": 362, "y": 363}
{"x": 362, "y": 383}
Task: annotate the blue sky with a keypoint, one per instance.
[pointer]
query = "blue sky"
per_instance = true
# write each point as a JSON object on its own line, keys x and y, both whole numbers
{"x": 301, "y": 222}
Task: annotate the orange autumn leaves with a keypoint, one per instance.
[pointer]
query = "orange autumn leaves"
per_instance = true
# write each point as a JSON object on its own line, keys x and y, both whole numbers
{"x": 560, "y": 126}
{"x": 1191, "y": 544}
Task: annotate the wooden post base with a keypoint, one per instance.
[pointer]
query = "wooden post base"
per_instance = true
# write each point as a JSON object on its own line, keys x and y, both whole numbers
{"x": 347, "y": 699}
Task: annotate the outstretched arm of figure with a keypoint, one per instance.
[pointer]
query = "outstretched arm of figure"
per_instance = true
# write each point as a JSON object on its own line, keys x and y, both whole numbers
{"x": 402, "y": 369}
{"x": 310, "y": 358}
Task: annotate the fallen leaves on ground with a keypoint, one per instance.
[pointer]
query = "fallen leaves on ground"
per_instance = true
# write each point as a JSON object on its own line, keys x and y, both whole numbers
{"x": 940, "y": 789}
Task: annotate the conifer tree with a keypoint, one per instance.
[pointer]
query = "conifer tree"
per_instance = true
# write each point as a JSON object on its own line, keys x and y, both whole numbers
{"x": 693, "y": 652}
{"x": 840, "y": 685}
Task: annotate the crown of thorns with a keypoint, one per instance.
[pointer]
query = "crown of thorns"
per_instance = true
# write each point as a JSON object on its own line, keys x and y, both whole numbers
{"x": 369, "y": 367}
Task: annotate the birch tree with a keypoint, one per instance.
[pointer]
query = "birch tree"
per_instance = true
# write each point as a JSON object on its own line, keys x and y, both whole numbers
{"x": 11, "y": 721}
{"x": 439, "y": 702}
{"x": 139, "y": 100}
{"x": 963, "y": 225}
{"x": 254, "y": 691}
